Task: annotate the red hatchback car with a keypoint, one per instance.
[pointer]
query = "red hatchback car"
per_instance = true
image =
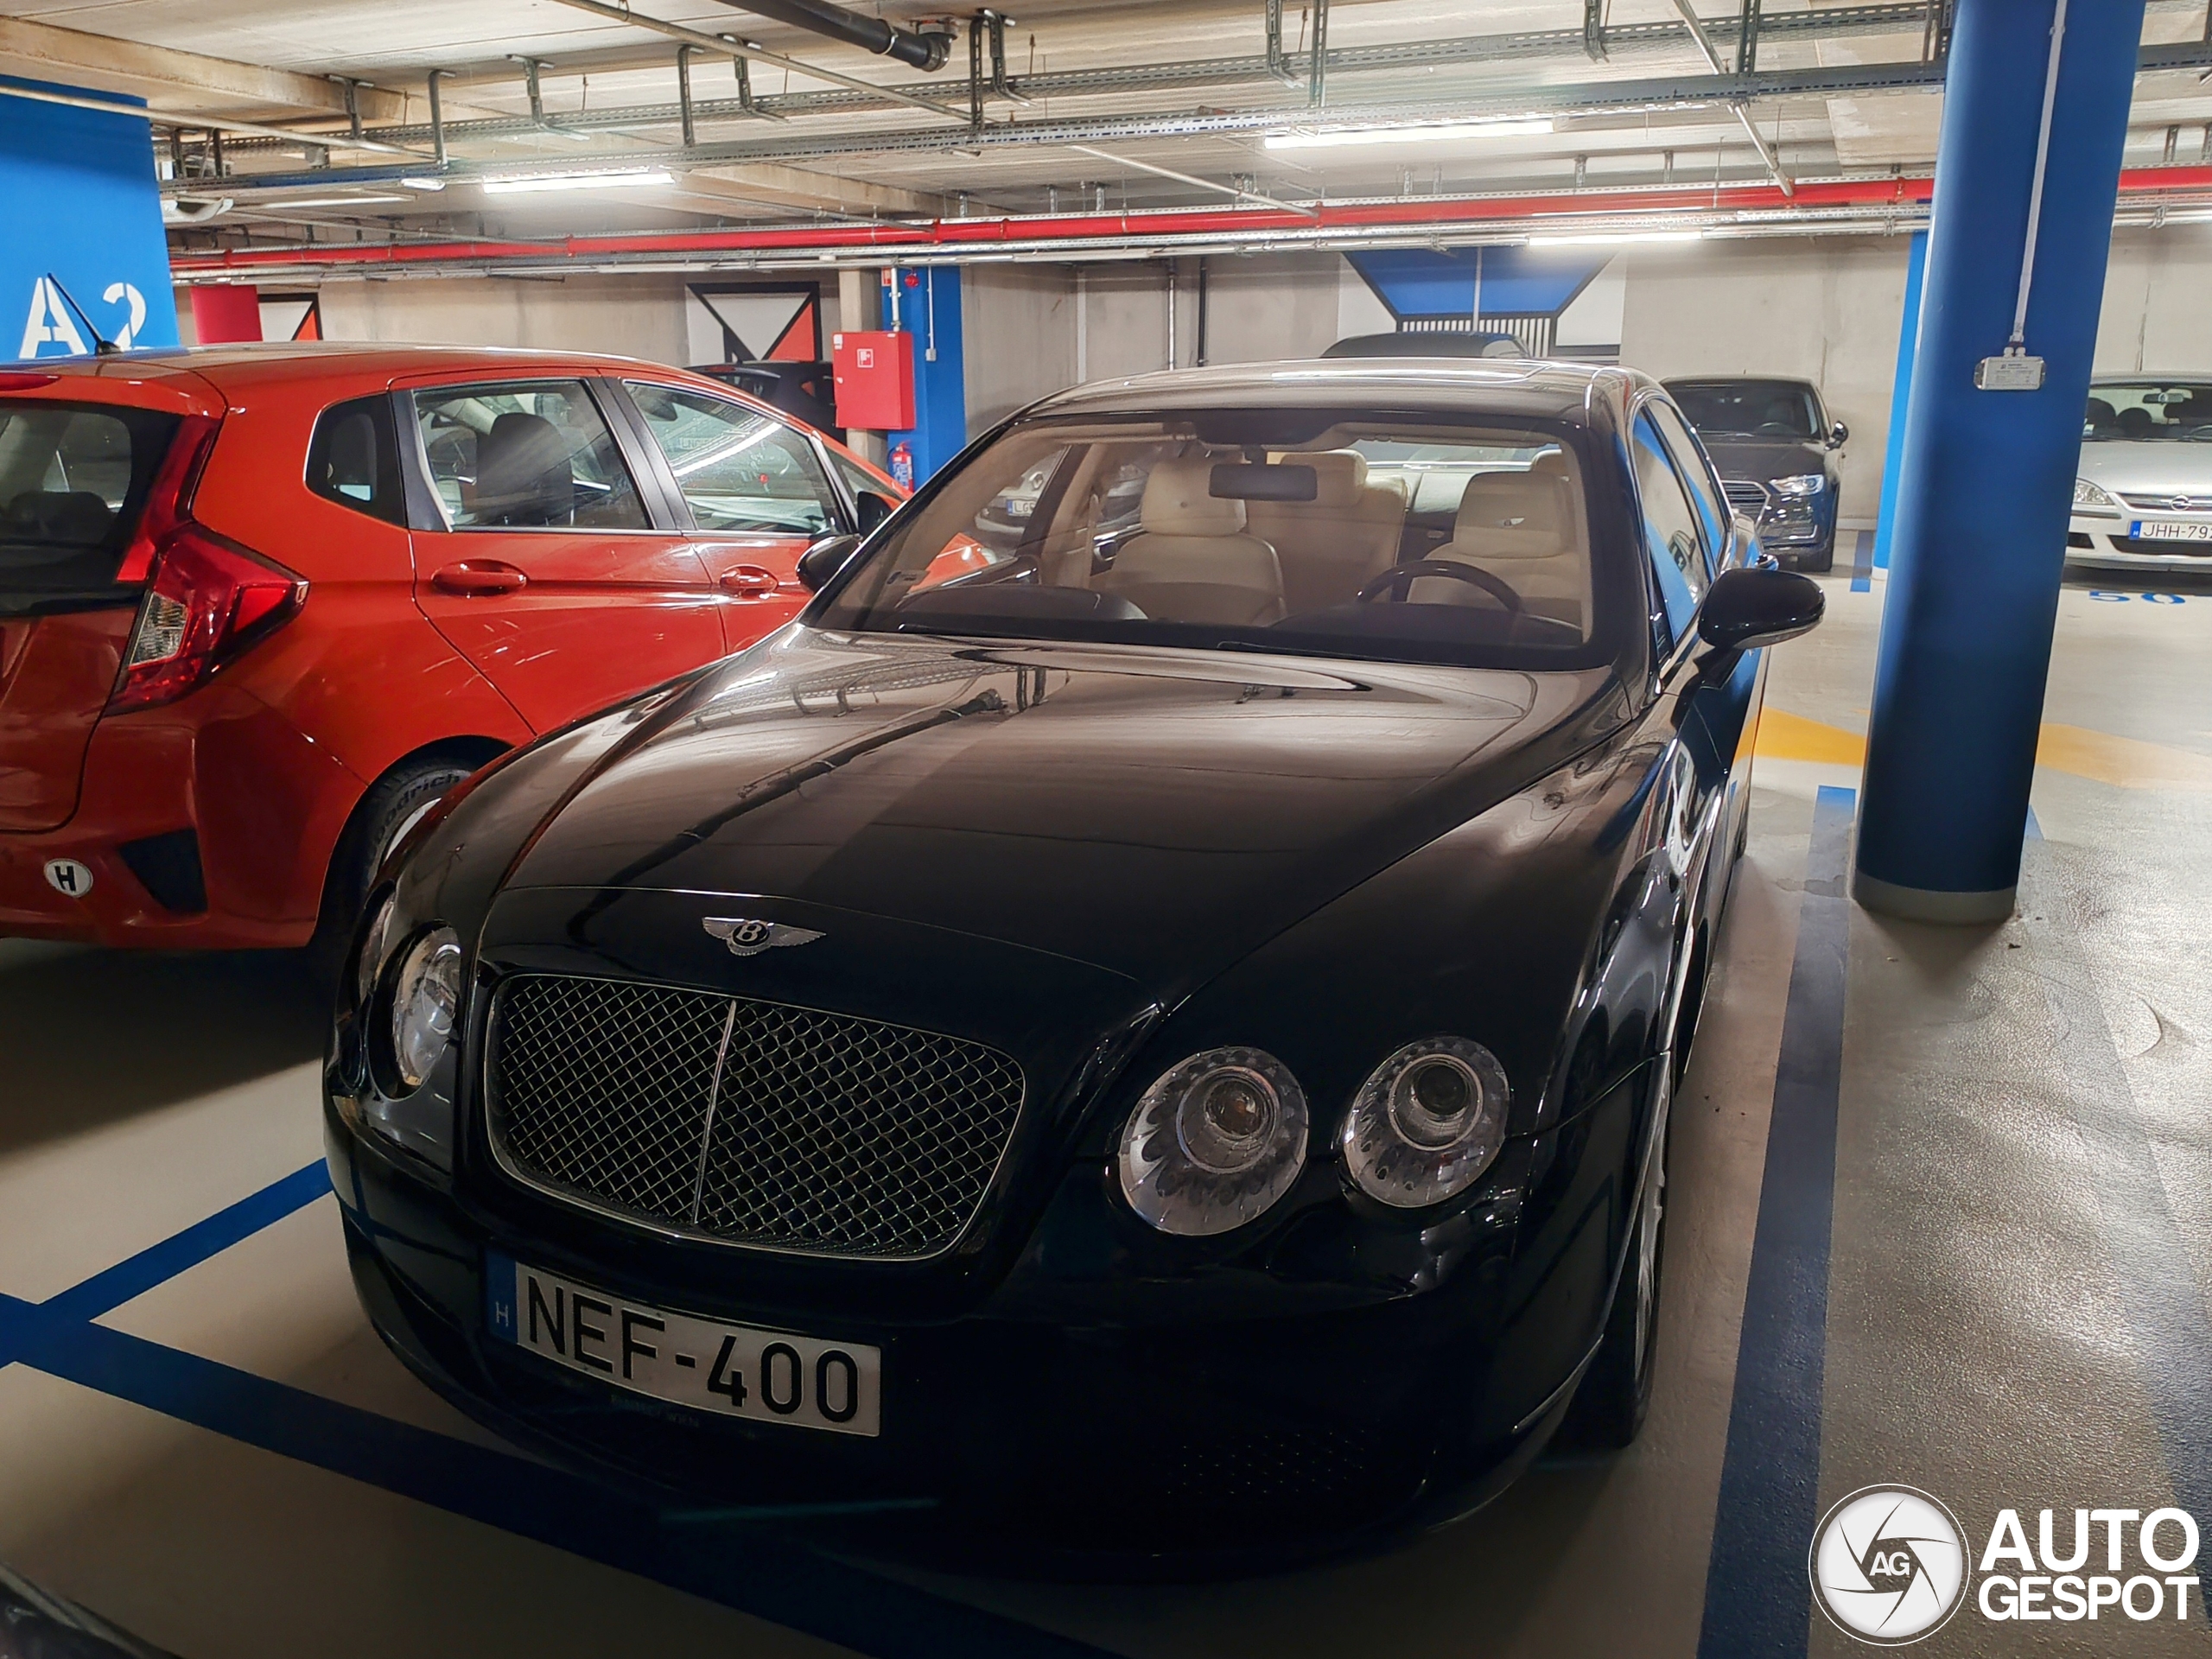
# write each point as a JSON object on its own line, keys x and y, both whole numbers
{"x": 261, "y": 606}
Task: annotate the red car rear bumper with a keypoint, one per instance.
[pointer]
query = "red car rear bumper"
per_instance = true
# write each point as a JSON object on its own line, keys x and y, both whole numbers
{"x": 265, "y": 807}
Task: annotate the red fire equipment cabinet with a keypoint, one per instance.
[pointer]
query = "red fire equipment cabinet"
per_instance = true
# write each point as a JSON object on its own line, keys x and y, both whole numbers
{"x": 875, "y": 380}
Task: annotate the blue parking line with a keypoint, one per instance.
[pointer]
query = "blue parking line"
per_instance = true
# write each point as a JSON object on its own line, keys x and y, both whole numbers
{"x": 163, "y": 1261}
{"x": 1862, "y": 562}
{"x": 1756, "y": 1599}
{"x": 751, "y": 1570}
{"x": 746, "y": 1568}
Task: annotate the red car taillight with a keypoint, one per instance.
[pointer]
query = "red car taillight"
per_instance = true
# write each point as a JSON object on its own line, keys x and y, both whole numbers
{"x": 207, "y": 599}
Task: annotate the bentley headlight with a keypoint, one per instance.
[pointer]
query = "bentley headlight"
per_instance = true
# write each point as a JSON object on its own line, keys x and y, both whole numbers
{"x": 1802, "y": 484}
{"x": 425, "y": 998}
{"x": 1427, "y": 1122}
{"x": 1214, "y": 1142}
{"x": 2091, "y": 498}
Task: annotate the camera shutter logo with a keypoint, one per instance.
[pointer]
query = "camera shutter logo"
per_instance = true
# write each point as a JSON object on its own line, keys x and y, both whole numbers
{"x": 1888, "y": 1565}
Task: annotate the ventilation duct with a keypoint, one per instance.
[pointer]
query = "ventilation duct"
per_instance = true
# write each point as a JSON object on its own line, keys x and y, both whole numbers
{"x": 922, "y": 51}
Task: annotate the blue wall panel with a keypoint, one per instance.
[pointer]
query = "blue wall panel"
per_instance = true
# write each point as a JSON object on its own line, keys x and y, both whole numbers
{"x": 929, "y": 310}
{"x": 1516, "y": 281}
{"x": 79, "y": 199}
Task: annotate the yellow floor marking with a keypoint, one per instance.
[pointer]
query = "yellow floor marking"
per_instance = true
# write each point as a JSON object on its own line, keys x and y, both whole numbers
{"x": 2124, "y": 762}
{"x": 2127, "y": 762}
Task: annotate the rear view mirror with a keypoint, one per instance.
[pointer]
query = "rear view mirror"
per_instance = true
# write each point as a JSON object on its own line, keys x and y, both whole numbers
{"x": 874, "y": 509}
{"x": 1250, "y": 481}
{"x": 1838, "y": 435}
{"x": 824, "y": 559}
{"x": 1758, "y": 605}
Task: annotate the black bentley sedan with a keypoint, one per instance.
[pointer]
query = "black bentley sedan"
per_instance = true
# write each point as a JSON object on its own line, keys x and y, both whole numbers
{"x": 1131, "y": 1049}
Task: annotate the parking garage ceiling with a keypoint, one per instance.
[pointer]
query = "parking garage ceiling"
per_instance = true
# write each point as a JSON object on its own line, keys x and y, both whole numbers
{"x": 290, "y": 134}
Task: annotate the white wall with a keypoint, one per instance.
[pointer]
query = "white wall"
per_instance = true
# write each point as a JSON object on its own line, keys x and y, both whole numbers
{"x": 1818, "y": 308}
{"x": 634, "y": 317}
{"x": 1264, "y": 307}
{"x": 2158, "y": 309}
{"x": 1018, "y": 322}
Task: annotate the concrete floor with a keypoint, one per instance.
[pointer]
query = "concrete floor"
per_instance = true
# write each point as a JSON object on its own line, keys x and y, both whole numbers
{"x": 227, "y": 1461}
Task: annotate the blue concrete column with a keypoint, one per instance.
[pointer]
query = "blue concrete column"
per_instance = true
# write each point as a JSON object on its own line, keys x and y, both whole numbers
{"x": 1987, "y": 477}
{"x": 929, "y": 309}
{"x": 1915, "y": 271}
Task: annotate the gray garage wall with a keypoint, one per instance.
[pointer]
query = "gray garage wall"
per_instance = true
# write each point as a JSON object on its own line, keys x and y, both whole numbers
{"x": 2157, "y": 311}
{"x": 635, "y": 316}
{"x": 1823, "y": 307}
{"x": 1820, "y": 308}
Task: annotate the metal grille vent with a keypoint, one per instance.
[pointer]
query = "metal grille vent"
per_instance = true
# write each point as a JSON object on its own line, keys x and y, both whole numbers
{"x": 743, "y": 1121}
{"x": 1745, "y": 495}
{"x": 2169, "y": 503}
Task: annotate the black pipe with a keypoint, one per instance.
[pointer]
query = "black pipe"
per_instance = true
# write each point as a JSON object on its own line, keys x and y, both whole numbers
{"x": 869, "y": 34}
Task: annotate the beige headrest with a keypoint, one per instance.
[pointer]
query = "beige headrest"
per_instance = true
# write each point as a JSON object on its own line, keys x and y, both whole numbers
{"x": 1338, "y": 476}
{"x": 1513, "y": 516}
{"x": 1552, "y": 464}
{"x": 1178, "y": 500}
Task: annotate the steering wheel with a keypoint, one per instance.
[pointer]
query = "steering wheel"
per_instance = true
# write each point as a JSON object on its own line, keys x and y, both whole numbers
{"x": 1400, "y": 577}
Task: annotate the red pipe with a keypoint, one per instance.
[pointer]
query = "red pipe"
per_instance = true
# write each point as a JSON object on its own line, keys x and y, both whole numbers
{"x": 1075, "y": 229}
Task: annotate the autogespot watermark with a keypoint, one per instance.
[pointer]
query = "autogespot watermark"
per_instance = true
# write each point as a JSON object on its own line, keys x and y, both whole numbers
{"x": 1890, "y": 1566}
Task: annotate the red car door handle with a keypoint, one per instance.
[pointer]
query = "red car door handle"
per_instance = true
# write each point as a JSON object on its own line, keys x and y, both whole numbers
{"x": 751, "y": 580}
{"x": 475, "y": 576}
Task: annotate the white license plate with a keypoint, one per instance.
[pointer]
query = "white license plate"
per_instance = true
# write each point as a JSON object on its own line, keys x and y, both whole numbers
{"x": 734, "y": 1370}
{"x": 2171, "y": 530}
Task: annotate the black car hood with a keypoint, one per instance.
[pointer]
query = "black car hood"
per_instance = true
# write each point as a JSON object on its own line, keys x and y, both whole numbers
{"x": 1764, "y": 458}
{"x": 1155, "y": 813}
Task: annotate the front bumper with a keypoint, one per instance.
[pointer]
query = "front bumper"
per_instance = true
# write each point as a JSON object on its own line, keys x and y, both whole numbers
{"x": 2103, "y": 543}
{"x": 1077, "y": 1416}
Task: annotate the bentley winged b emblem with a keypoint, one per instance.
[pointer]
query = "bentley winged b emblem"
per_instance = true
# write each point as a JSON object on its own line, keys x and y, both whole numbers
{"x": 748, "y": 938}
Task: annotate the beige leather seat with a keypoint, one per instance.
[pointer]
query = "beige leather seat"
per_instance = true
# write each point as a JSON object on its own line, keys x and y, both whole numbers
{"x": 1335, "y": 545}
{"x": 1525, "y": 528}
{"x": 1194, "y": 562}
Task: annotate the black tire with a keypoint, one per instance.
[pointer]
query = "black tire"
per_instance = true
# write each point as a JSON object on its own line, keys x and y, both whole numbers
{"x": 1615, "y": 1397}
{"x": 390, "y": 808}
{"x": 1819, "y": 563}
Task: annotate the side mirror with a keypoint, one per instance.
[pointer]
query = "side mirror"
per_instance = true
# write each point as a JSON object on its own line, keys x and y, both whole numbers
{"x": 824, "y": 559}
{"x": 874, "y": 509}
{"x": 1758, "y": 605}
{"x": 1838, "y": 435}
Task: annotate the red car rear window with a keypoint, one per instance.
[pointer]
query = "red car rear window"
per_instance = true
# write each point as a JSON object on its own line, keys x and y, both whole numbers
{"x": 73, "y": 477}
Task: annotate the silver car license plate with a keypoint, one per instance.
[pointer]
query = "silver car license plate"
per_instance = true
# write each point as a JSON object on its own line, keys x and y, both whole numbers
{"x": 2171, "y": 530}
{"x": 733, "y": 1370}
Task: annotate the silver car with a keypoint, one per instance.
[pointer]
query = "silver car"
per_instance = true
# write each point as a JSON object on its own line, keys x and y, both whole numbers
{"x": 2144, "y": 498}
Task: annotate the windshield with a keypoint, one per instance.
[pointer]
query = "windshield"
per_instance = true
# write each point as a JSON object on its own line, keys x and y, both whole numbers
{"x": 2149, "y": 411}
{"x": 1391, "y": 537}
{"x": 1749, "y": 409}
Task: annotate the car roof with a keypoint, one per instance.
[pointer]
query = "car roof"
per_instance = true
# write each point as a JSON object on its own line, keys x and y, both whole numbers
{"x": 1528, "y": 386}
{"x": 246, "y": 364}
{"x": 1738, "y": 380}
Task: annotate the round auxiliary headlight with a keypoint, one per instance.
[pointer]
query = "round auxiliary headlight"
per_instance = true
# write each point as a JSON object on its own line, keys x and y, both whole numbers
{"x": 1427, "y": 1122}
{"x": 425, "y": 998}
{"x": 1214, "y": 1142}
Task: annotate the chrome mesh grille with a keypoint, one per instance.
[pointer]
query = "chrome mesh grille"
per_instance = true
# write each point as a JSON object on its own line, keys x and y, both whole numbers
{"x": 1745, "y": 495}
{"x": 745, "y": 1121}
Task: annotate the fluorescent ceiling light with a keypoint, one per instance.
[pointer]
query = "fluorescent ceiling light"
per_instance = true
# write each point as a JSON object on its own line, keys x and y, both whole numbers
{"x": 318, "y": 201}
{"x": 605, "y": 179}
{"x": 1605, "y": 239}
{"x": 1342, "y": 137}
{"x": 424, "y": 184}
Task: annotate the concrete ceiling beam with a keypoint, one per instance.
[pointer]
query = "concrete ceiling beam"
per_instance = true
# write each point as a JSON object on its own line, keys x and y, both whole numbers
{"x": 178, "y": 83}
